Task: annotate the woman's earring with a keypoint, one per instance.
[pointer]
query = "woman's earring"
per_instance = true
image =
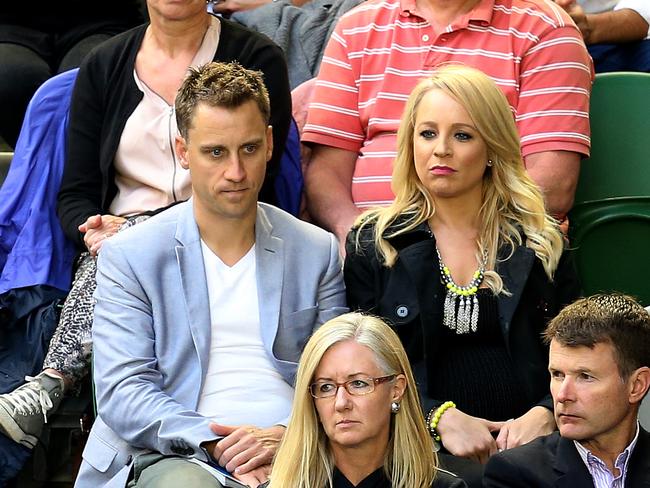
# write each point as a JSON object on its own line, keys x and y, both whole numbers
{"x": 394, "y": 407}
{"x": 489, "y": 163}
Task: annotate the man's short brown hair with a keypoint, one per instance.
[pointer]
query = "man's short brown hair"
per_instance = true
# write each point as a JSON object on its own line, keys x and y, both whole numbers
{"x": 615, "y": 318}
{"x": 227, "y": 85}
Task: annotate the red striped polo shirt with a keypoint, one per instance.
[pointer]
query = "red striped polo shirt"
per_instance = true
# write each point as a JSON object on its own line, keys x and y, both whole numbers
{"x": 382, "y": 48}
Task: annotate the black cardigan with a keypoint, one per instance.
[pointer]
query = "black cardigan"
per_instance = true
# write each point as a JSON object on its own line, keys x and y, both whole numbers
{"x": 406, "y": 295}
{"x": 105, "y": 95}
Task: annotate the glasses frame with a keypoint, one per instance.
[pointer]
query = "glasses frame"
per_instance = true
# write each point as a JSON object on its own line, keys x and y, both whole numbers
{"x": 375, "y": 381}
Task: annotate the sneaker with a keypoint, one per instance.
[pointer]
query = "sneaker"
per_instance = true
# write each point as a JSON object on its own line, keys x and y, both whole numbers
{"x": 23, "y": 412}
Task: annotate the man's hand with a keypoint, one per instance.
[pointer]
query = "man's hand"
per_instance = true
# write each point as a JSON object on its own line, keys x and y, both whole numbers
{"x": 536, "y": 422}
{"x": 467, "y": 436}
{"x": 97, "y": 228}
{"x": 255, "y": 477}
{"x": 244, "y": 448}
{"x": 577, "y": 13}
{"x": 612, "y": 26}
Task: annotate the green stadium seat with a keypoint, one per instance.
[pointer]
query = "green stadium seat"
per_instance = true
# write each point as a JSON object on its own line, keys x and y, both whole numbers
{"x": 612, "y": 242}
{"x": 620, "y": 138}
{"x": 610, "y": 219}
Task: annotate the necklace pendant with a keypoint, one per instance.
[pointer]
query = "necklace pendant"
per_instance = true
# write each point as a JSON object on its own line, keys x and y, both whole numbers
{"x": 463, "y": 318}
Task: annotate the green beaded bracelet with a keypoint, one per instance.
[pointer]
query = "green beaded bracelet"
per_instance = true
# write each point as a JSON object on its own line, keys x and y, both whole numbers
{"x": 433, "y": 418}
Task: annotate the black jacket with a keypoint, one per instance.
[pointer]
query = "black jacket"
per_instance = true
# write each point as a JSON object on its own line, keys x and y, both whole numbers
{"x": 105, "y": 95}
{"x": 553, "y": 462}
{"x": 407, "y": 296}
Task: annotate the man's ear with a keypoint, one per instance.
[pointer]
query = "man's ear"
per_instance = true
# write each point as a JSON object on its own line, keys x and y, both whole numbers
{"x": 181, "y": 150}
{"x": 639, "y": 384}
{"x": 269, "y": 142}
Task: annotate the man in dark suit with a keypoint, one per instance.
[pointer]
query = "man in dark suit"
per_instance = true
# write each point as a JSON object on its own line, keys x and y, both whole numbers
{"x": 599, "y": 363}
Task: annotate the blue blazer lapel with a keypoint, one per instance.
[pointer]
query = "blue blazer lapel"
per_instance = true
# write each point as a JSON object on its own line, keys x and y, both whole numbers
{"x": 194, "y": 287}
{"x": 269, "y": 255}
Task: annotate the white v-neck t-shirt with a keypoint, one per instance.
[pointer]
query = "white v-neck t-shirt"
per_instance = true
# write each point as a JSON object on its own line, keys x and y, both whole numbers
{"x": 241, "y": 385}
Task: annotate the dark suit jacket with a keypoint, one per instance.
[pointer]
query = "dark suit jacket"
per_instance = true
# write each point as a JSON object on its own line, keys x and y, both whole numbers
{"x": 553, "y": 462}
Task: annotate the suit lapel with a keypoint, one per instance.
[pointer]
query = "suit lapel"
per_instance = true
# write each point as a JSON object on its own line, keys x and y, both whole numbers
{"x": 269, "y": 255}
{"x": 638, "y": 470}
{"x": 569, "y": 466}
{"x": 193, "y": 284}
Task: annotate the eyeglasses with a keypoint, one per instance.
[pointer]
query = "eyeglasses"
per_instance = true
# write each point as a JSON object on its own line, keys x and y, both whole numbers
{"x": 357, "y": 387}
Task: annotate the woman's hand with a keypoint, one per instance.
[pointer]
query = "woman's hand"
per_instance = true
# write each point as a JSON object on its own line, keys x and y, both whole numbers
{"x": 536, "y": 422}
{"x": 97, "y": 228}
{"x": 467, "y": 436}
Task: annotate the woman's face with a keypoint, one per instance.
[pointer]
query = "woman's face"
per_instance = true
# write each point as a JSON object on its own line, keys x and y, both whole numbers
{"x": 352, "y": 421}
{"x": 450, "y": 155}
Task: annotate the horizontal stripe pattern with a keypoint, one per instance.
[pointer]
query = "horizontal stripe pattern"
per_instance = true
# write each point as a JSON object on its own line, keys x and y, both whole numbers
{"x": 380, "y": 51}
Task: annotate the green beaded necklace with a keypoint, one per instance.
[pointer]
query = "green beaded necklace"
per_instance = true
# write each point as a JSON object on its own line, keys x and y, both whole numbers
{"x": 466, "y": 317}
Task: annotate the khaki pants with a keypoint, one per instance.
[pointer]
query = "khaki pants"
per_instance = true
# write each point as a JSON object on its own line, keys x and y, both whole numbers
{"x": 158, "y": 471}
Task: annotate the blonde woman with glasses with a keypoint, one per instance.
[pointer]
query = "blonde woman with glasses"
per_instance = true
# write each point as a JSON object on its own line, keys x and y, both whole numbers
{"x": 356, "y": 415}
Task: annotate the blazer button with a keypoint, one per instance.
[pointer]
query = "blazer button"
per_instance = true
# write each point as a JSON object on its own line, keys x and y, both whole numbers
{"x": 402, "y": 311}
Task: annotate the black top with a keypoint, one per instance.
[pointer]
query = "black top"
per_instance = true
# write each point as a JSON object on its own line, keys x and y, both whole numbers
{"x": 105, "y": 95}
{"x": 377, "y": 479}
{"x": 478, "y": 374}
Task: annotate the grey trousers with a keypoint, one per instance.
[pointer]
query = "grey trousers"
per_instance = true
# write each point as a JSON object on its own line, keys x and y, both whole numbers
{"x": 159, "y": 471}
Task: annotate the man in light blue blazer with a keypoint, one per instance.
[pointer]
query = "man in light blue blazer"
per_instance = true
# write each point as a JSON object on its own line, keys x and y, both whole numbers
{"x": 203, "y": 310}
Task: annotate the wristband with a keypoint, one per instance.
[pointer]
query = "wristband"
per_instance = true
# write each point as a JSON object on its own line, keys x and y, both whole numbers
{"x": 433, "y": 418}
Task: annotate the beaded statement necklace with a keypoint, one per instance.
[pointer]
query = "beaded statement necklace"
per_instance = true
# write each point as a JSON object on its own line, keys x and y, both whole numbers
{"x": 466, "y": 317}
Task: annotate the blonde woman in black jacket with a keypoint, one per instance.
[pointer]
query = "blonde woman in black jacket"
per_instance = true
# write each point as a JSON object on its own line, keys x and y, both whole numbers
{"x": 466, "y": 265}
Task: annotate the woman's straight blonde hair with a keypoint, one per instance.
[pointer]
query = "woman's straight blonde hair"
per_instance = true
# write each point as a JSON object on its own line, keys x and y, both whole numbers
{"x": 304, "y": 459}
{"x": 512, "y": 202}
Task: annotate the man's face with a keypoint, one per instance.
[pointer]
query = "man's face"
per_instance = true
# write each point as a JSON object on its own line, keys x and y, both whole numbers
{"x": 590, "y": 397}
{"x": 226, "y": 153}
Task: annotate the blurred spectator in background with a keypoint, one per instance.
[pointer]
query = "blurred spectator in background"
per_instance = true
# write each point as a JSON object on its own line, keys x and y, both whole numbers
{"x": 617, "y": 32}
{"x": 40, "y": 39}
{"x": 302, "y": 31}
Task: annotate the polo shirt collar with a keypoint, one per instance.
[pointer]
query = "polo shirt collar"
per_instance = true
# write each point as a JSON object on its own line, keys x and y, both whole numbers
{"x": 482, "y": 12}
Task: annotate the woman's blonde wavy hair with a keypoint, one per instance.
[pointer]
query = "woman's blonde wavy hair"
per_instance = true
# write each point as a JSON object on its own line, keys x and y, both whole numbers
{"x": 512, "y": 202}
{"x": 304, "y": 459}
